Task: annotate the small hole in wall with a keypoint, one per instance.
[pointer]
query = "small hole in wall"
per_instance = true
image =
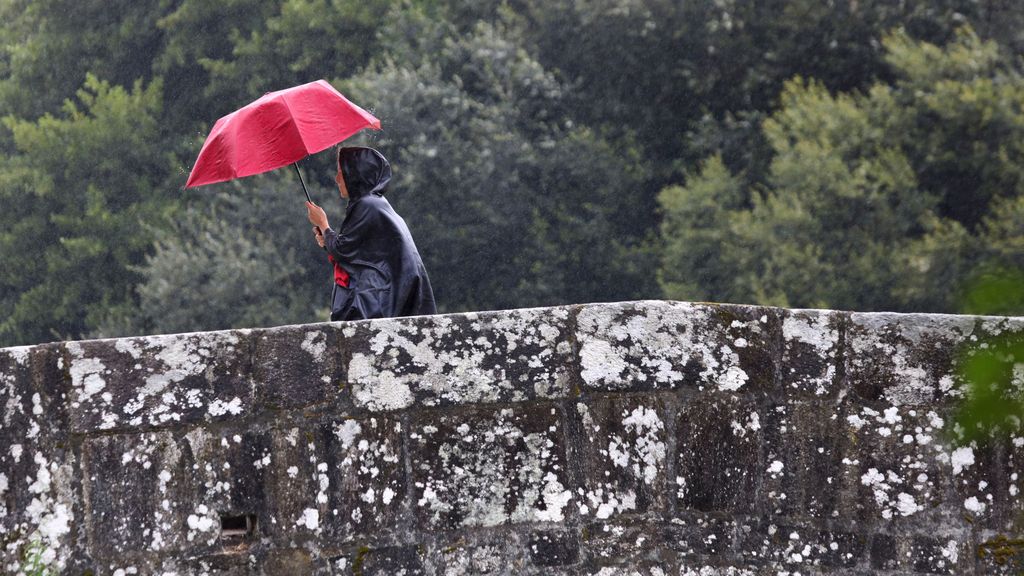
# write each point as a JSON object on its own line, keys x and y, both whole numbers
{"x": 243, "y": 526}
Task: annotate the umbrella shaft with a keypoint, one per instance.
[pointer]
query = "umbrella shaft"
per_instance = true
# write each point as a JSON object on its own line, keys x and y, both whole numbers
{"x": 296, "y": 165}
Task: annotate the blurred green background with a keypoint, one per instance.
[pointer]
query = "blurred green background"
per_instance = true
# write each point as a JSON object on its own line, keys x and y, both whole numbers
{"x": 856, "y": 154}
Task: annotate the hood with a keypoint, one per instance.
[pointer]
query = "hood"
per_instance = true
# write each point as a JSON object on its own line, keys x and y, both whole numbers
{"x": 365, "y": 170}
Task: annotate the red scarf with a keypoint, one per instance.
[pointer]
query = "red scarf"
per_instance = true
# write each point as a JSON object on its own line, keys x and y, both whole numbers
{"x": 340, "y": 276}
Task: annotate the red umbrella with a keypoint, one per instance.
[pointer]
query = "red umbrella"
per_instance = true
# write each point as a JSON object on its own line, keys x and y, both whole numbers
{"x": 280, "y": 128}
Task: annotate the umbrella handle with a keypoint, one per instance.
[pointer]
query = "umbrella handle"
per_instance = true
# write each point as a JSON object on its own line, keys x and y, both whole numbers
{"x": 296, "y": 165}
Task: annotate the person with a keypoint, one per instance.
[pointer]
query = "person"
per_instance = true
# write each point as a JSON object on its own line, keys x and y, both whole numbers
{"x": 378, "y": 272}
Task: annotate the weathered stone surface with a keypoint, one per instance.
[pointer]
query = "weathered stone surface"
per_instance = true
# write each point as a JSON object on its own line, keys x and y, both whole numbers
{"x": 389, "y": 561}
{"x": 1013, "y": 470}
{"x": 905, "y": 359}
{"x": 651, "y": 345}
{"x": 492, "y": 554}
{"x": 1000, "y": 554}
{"x": 220, "y": 564}
{"x": 293, "y": 491}
{"x": 717, "y": 570}
{"x": 159, "y": 380}
{"x": 554, "y": 548}
{"x": 227, "y": 477}
{"x": 923, "y": 553}
{"x": 490, "y": 467}
{"x": 136, "y": 492}
{"x": 811, "y": 352}
{"x": 894, "y": 465}
{"x": 624, "y": 455}
{"x": 39, "y": 497}
{"x": 935, "y": 554}
{"x": 631, "y": 568}
{"x": 365, "y": 477}
{"x": 295, "y": 366}
{"x": 788, "y": 547}
{"x": 980, "y": 488}
{"x": 699, "y": 536}
{"x": 468, "y": 358}
{"x": 288, "y": 561}
{"x": 803, "y": 475}
{"x": 718, "y": 440}
{"x": 884, "y": 552}
{"x": 649, "y": 438}
{"x": 608, "y": 543}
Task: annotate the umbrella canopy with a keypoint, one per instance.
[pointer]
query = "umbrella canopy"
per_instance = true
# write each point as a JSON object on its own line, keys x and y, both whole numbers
{"x": 280, "y": 128}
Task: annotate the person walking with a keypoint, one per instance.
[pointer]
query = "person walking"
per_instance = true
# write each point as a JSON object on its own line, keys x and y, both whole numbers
{"x": 378, "y": 272}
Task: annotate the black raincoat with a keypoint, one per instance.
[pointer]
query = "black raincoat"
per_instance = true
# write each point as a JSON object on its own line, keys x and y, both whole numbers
{"x": 375, "y": 248}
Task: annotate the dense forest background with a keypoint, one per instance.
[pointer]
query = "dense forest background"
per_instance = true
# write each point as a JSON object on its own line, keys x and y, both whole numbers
{"x": 854, "y": 154}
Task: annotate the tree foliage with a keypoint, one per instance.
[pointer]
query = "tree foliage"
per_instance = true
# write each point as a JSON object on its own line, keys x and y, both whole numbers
{"x": 863, "y": 154}
{"x": 222, "y": 264}
{"x": 74, "y": 198}
{"x": 888, "y": 198}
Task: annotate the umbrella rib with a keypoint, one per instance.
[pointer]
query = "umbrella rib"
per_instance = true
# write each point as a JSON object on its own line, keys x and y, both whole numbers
{"x": 295, "y": 126}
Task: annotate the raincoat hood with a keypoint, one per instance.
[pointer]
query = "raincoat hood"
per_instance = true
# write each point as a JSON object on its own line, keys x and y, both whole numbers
{"x": 365, "y": 171}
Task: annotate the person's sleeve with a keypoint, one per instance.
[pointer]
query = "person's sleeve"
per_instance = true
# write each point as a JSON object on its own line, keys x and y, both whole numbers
{"x": 344, "y": 245}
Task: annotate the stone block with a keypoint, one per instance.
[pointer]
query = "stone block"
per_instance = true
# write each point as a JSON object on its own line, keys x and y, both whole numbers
{"x": 288, "y": 561}
{"x": 698, "y": 569}
{"x": 623, "y": 455}
{"x": 634, "y": 539}
{"x": 554, "y": 548}
{"x": 797, "y": 548}
{"x": 631, "y": 568}
{"x": 718, "y": 440}
{"x": 665, "y": 345}
{"x": 695, "y": 536}
{"x": 1013, "y": 472}
{"x": 811, "y": 352}
{"x": 38, "y": 486}
{"x": 470, "y": 554}
{"x": 388, "y": 561}
{"x": 905, "y": 359}
{"x": 159, "y": 380}
{"x": 364, "y": 473}
{"x": 41, "y": 506}
{"x": 234, "y": 563}
{"x": 145, "y": 564}
{"x": 938, "y": 555}
{"x": 894, "y": 467}
{"x": 487, "y": 357}
{"x": 227, "y": 479}
{"x": 981, "y": 484}
{"x": 24, "y": 432}
{"x": 295, "y": 366}
{"x": 884, "y": 552}
{"x": 137, "y": 497}
{"x": 296, "y": 505}
{"x": 487, "y": 467}
{"x": 803, "y": 472}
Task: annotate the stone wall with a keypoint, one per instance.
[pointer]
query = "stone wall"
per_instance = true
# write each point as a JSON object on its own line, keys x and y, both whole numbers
{"x": 648, "y": 438}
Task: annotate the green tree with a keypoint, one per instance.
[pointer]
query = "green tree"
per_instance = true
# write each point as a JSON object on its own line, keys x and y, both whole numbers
{"x": 241, "y": 258}
{"x": 873, "y": 200}
{"x": 48, "y": 46}
{"x": 75, "y": 196}
{"x": 245, "y": 48}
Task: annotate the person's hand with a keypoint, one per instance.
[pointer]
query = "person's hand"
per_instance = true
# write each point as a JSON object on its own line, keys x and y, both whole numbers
{"x": 316, "y": 215}
{"x": 319, "y": 236}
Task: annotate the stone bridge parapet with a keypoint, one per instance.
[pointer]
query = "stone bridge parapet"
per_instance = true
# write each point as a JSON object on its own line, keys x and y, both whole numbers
{"x": 642, "y": 438}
